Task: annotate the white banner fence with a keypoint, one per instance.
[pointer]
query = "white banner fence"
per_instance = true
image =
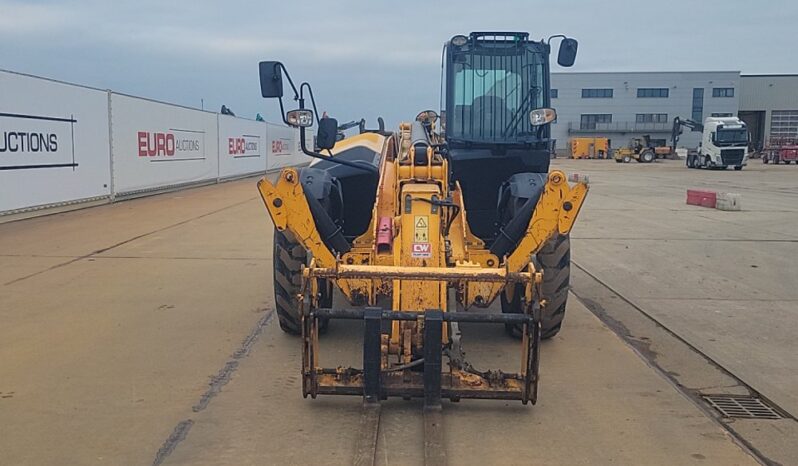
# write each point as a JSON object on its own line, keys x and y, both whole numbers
{"x": 62, "y": 143}
{"x": 242, "y": 146}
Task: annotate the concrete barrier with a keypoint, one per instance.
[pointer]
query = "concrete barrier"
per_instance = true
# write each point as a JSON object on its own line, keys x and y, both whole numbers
{"x": 701, "y": 198}
{"x": 728, "y": 201}
{"x": 578, "y": 177}
{"x": 713, "y": 199}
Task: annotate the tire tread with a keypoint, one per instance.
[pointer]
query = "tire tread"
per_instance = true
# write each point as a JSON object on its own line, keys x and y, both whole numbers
{"x": 289, "y": 256}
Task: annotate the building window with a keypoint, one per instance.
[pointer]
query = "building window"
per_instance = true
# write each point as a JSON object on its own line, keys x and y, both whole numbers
{"x": 596, "y": 93}
{"x": 651, "y": 118}
{"x": 698, "y": 104}
{"x": 589, "y": 121}
{"x": 722, "y": 92}
{"x": 554, "y": 93}
{"x": 652, "y": 92}
{"x": 783, "y": 124}
{"x": 721, "y": 115}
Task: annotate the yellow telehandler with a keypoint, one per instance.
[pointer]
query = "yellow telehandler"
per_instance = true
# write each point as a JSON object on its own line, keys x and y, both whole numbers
{"x": 418, "y": 226}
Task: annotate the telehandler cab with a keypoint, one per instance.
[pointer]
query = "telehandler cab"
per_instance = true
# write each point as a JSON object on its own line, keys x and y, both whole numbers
{"x": 416, "y": 226}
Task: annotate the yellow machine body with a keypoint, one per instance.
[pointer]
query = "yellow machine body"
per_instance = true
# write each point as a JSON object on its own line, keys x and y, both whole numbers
{"x": 642, "y": 150}
{"x": 430, "y": 253}
{"x": 590, "y": 148}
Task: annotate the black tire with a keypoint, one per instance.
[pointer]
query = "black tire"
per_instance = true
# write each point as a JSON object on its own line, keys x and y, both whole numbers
{"x": 738, "y": 168}
{"x": 689, "y": 161}
{"x": 289, "y": 257}
{"x": 647, "y": 156}
{"x": 555, "y": 261}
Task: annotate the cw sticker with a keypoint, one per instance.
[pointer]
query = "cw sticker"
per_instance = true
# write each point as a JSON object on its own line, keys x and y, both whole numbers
{"x": 421, "y": 250}
{"x": 421, "y": 229}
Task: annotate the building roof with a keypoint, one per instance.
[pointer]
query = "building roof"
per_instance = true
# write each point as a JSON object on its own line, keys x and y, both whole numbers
{"x": 766, "y": 75}
{"x": 649, "y": 72}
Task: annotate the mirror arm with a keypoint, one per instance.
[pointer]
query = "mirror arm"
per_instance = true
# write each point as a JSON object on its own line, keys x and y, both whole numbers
{"x": 562, "y": 36}
{"x": 299, "y": 95}
{"x": 293, "y": 87}
{"x": 290, "y": 81}
{"x": 282, "y": 112}
{"x": 366, "y": 167}
{"x": 312, "y": 99}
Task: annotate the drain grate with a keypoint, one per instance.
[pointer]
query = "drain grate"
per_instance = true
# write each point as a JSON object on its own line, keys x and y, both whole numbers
{"x": 742, "y": 406}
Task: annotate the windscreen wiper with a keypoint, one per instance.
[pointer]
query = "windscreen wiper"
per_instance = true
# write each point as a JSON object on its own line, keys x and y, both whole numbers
{"x": 527, "y": 102}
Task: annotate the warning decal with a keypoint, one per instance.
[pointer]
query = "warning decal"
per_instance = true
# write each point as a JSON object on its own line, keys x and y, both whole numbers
{"x": 421, "y": 229}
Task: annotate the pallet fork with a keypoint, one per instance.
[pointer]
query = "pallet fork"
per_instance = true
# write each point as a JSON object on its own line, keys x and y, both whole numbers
{"x": 376, "y": 382}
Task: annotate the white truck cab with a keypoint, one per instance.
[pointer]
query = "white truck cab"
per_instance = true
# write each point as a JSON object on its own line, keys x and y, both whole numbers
{"x": 724, "y": 143}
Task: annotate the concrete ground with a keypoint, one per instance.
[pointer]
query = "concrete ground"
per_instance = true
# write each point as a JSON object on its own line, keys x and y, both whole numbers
{"x": 142, "y": 333}
{"x": 723, "y": 281}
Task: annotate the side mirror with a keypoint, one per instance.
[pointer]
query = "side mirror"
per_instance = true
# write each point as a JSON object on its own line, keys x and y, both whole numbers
{"x": 567, "y": 54}
{"x": 271, "y": 79}
{"x": 328, "y": 131}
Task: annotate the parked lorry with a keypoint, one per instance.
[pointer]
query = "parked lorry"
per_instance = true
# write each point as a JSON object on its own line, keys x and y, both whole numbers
{"x": 724, "y": 142}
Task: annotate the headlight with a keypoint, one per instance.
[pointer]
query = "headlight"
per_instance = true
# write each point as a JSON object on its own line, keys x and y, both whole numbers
{"x": 541, "y": 116}
{"x": 459, "y": 41}
{"x": 300, "y": 118}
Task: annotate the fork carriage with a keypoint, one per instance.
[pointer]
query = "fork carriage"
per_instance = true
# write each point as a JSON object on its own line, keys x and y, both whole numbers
{"x": 387, "y": 369}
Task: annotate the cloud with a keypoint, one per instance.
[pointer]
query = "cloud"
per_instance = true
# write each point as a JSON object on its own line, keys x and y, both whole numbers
{"x": 28, "y": 18}
{"x": 365, "y": 57}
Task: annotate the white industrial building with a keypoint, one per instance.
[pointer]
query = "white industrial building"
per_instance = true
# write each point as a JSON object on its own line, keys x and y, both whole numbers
{"x": 769, "y": 104}
{"x": 623, "y": 105}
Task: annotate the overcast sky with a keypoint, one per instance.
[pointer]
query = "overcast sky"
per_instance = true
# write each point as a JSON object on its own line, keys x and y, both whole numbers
{"x": 368, "y": 58}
